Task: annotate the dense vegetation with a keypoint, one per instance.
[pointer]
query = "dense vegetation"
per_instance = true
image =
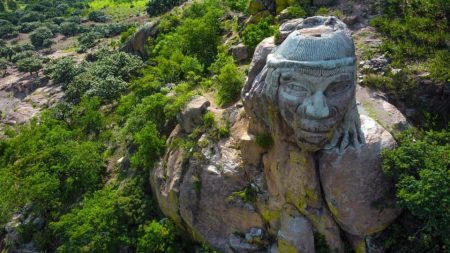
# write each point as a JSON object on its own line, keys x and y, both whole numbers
{"x": 79, "y": 173}
{"x": 421, "y": 168}
{"x": 57, "y": 169}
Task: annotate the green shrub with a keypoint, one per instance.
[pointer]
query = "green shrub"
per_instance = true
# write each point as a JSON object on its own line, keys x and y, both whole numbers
{"x": 158, "y": 237}
{"x": 209, "y": 120}
{"x": 30, "y": 65}
{"x": 150, "y": 146}
{"x": 3, "y": 66}
{"x": 420, "y": 167}
{"x": 106, "y": 221}
{"x": 255, "y": 33}
{"x": 125, "y": 35}
{"x": 69, "y": 28}
{"x": 264, "y": 140}
{"x": 248, "y": 194}
{"x": 157, "y": 7}
{"x": 438, "y": 66}
{"x": 41, "y": 37}
{"x": 98, "y": 16}
{"x": 229, "y": 83}
{"x": 296, "y": 12}
{"x": 7, "y": 29}
{"x": 378, "y": 82}
{"x": 322, "y": 11}
{"x": 62, "y": 70}
{"x": 89, "y": 39}
{"x": 238, "y": 5}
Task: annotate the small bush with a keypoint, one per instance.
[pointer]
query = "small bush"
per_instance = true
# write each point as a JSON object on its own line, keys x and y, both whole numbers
{"x": 209, "y": 120}
{"x": 248, "y": 194}
{"x": 378, "y": 82}
{"x": 229, "y": 84}
{"x": 322, "y": 11}
{"x": 264, "y": 140}
{"x": 296, "y": 12}
{"x": 158, "y": 237}
{"x": 29, "y": 65}
{"x": 98, "y": 16}
{"x": 420, "y": 167}
{"x": 41, "y": 37}
{"x": 255, "y": 33}
{"x": 157, "y": 7}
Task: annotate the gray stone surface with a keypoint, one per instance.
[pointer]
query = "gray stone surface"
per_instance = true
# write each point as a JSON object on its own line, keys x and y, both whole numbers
{"x": 136, "y": 43}
{"x": 356, "y": 190}
{"x": 192, "y": 114}
{"x": 322, "y": 173}
{"x": 239, "y": 52}
{"x": 296, "y": 232}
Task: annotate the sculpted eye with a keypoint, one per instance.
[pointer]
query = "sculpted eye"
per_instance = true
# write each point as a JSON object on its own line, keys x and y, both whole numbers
{"x": 296, "y": 88}
{"x": 337, "y": 88}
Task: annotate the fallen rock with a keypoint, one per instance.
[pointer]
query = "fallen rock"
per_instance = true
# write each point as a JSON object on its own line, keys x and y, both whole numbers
{"x": 239, "y": 52}
{"x": 192, "y": 114}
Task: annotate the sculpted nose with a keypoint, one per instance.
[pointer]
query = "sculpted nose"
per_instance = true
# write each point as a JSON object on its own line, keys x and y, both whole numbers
{"x": 316, "y": 106}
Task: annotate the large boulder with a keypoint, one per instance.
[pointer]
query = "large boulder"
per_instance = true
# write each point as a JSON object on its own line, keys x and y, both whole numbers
{"x": 239, "y": 52}
{"x": 136, "y": 43}
{"x": 192, "y": 114}
{"x": 356, "y": 190}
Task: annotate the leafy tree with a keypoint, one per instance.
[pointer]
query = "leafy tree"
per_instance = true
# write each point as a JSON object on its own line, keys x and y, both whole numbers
{"x": 31, "y": 16}
{"x": 108, "y": 88}
{"x": 3, "y": 66}
{"x": 255, "y": 33}
{"x": 420, "y": 167}
{"x": 41, "y": 37}
{"x": 229, "y": 83}
{"x": 62, "y": 70}
{"x": 238, "y": 5}
{"x": 150, "y": 146}
{"x": 98, "y": 16}
{"x": 6, "y": 52}
{"x": 7, "y": 29}
{"x": 89, "y": 39}
{"x": 157, "y": 7}
{"x": 158, "y": 237}
{"x": 69, "y": 28}
{"x": 30, "y": 65}
{"x": 106, "y": 221}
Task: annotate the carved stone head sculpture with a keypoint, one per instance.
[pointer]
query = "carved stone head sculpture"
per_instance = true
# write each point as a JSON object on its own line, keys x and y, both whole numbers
{"x": 309, "y": 84}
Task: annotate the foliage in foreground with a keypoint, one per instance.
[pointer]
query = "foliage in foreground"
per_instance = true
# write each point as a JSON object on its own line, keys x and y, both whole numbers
{"x": 421, "y": 168}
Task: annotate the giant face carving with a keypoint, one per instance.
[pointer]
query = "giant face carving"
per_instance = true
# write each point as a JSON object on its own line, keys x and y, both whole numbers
{"x": 310, "y": 80}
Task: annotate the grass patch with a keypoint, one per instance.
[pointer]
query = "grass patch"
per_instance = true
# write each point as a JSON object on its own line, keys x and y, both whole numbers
{"x": 119, "y": 10}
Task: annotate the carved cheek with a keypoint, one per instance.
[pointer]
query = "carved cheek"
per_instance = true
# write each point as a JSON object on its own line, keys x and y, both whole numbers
{"x": 342, "y": 101}
{"x": 288, "y": 101}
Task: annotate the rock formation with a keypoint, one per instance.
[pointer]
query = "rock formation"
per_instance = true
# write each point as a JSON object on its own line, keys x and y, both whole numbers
{"x": 136, "y": 43}
{"x": 300, "y": 163}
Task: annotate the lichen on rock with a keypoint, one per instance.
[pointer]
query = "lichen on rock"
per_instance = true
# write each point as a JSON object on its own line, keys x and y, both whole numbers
{"x": 321, "y": 173}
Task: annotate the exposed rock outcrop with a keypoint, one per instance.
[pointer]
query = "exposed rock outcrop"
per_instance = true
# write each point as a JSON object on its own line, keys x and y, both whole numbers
{"x": 136, "y": 43}
{"x": 300, "y": 161}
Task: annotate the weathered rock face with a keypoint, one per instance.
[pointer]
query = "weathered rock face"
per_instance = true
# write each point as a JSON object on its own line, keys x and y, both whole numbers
{"x": 136, "y": 43}
{"x": 320, "y": 173}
